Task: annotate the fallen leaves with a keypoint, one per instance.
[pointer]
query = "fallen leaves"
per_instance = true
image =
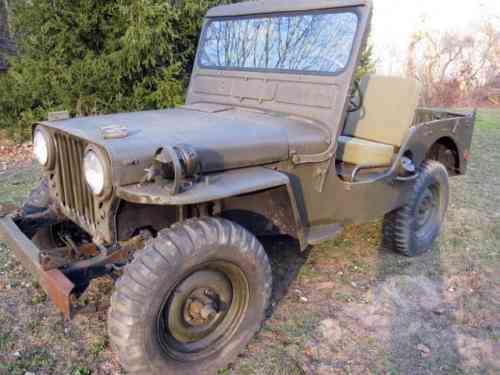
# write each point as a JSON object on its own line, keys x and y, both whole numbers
{"x": 13, "y": 156}
{"x": 7, "y": 208}
{"x": 424, "y": 350}
{"x": 325, "y": 285}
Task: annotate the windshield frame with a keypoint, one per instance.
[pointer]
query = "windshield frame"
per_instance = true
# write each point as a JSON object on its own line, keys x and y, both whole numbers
{"x": 209, "y": 21}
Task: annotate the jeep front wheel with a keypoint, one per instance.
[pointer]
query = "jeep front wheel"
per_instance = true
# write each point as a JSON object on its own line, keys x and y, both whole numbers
{"x": 191, "y": 300}
{"x": 412, "y": 229}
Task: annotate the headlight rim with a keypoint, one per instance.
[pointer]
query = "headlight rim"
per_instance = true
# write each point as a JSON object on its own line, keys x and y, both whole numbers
{"x": 51, "y": 147}
{"x": 103, "y": 158}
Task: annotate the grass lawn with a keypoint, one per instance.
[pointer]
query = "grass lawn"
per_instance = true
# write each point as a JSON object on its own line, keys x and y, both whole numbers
{"x": 344, "y": 307}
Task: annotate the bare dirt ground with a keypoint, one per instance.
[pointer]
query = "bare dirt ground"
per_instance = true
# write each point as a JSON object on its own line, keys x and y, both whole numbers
{"x": 13, "y": 155}
{"x": 345, "y": 307}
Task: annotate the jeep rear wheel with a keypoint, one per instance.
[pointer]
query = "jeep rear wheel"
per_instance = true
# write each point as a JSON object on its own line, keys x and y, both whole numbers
{"x": 412, "y": 229}
{"x": 191, "y": 300}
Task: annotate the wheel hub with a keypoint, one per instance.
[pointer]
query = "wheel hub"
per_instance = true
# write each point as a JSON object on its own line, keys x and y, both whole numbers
{"x": 203, "y": 311}
{"x": 198, "y": 305}
{"x": 202, "y": 307}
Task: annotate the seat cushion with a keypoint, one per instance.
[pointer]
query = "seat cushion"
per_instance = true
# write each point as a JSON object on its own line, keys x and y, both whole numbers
{"x": 361, "y": 152}
{"x": 388, "y": 110}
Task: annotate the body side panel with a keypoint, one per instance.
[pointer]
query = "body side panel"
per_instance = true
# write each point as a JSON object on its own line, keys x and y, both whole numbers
{"x": 340, "y": 201}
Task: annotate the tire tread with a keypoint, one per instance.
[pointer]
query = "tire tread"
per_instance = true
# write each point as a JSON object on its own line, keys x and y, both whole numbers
{"x": 159, "y": 256}
{"x": 396, "y": 228}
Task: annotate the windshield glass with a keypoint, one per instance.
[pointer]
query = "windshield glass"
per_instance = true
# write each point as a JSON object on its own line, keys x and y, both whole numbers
{"x": 320, "y": 43}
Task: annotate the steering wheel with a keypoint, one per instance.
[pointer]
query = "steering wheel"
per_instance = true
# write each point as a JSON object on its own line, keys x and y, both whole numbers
{"x": 356, "y": 100}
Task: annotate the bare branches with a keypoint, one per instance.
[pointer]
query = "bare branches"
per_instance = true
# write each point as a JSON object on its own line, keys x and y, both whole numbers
{"x": 455, "y": 68}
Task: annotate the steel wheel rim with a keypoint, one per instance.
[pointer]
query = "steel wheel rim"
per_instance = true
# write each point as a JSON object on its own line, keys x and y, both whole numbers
{"x": 203, "y": 311}
{"x": 427, "y": 210}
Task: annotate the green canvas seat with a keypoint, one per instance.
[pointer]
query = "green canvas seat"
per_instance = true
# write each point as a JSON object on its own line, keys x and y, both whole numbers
{"x": 375, "y": 133}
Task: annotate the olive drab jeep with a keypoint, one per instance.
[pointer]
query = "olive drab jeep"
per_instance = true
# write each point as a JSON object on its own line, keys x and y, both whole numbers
{"x": 275, "y": 138}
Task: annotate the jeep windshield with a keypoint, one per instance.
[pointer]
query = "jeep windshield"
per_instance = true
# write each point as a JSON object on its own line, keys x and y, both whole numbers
{"x": 310, "y": 43}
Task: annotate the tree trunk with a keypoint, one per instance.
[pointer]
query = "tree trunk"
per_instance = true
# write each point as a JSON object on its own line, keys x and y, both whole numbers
{"x": 5, "y": 43}
{"x": 4, "y": 20}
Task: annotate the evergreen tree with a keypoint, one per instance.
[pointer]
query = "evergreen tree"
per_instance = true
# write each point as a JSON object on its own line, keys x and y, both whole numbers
{"x": 366, "y": 63}
{"x": 93, "y": 56}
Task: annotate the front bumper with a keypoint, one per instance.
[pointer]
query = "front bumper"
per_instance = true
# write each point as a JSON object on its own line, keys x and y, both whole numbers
{"x": 58, "y": 287}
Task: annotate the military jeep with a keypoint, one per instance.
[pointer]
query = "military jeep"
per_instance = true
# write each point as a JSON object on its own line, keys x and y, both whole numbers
{"x": 276, "y": 138}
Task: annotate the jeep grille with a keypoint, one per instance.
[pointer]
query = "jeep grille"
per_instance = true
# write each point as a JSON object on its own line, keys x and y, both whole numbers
{"x": 77, "y": 202}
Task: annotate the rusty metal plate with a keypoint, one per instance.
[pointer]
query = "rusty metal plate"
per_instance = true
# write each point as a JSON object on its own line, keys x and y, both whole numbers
{"x": 57, "y": 286}
{"x": 59, "y": 289}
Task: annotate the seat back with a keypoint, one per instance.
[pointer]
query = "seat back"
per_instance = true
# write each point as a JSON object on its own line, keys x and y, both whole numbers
{"x": 388, "y": 110}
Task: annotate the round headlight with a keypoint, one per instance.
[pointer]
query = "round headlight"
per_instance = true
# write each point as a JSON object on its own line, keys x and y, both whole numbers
{"x": 41, "y": 147}
{"x": 95, "y": 172}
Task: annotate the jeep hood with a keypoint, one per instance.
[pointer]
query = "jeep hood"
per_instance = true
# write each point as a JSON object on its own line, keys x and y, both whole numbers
{"x": 223, "y": 141}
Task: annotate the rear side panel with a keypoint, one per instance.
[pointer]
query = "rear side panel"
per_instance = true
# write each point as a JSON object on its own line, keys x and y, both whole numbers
{"x": 438, "y": 126}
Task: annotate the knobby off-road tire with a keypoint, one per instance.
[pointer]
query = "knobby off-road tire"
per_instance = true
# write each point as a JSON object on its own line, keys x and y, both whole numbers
{"x": 191, "y": 300}
{"x": 412, "y": 229}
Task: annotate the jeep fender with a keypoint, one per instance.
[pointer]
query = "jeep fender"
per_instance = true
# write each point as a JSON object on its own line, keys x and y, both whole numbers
{"x": 454, "y": 134}
{"x": 258, "y": 190}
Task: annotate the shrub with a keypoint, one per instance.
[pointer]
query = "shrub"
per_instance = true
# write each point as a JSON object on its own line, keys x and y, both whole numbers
{"x": 92, "y": 56}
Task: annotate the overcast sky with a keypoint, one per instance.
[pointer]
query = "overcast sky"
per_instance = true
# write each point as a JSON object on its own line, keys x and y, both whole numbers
{"x": 395, "y": 20}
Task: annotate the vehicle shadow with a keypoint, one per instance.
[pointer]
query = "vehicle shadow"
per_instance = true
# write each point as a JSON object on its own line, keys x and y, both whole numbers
{"x": 411, "y": 296}
{"x": 286, "y": 262}
{"x": 410, "y": 316}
